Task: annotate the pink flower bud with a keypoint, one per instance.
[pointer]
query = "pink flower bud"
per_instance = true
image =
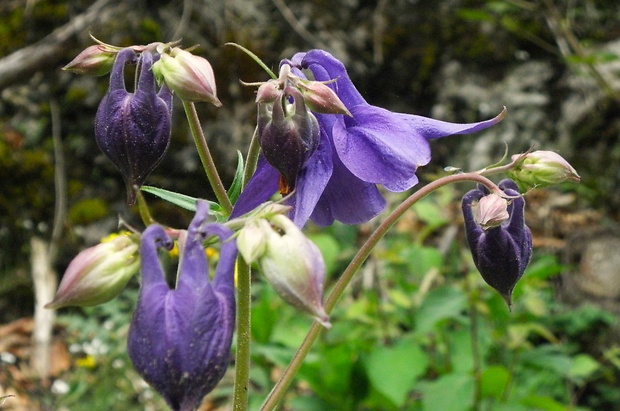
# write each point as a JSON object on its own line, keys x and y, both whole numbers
{"x": 321, "y": 99}
{"x": 95, "y": 60}
{"x": 190, "y": 77}
{"x": 98, "y": 274}
{"x": 492, "y": 211}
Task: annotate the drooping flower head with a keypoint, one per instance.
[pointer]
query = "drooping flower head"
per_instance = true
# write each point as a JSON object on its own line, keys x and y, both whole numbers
{"x": 133, "y": 129}
{"x": 501, "y": 251}
{"x": 289, "y": 135}
{"x": 356, "y": 152}
{"x": 180, "y": 339}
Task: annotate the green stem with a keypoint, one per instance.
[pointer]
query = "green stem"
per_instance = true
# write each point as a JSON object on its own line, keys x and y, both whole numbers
{"x": 252, "y": 158}
{"x": 242, "y": 354}
{"x": 278, "y": 391}
{"x": 206, "y": 158}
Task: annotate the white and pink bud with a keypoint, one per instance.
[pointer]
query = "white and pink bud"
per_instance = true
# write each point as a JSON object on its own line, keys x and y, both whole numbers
{"x": 99, "y": 273}
{"x": 189, "y": 76}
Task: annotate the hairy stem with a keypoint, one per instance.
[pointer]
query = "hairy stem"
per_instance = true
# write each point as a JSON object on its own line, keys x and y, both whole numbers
{"x": 242, "y": 355}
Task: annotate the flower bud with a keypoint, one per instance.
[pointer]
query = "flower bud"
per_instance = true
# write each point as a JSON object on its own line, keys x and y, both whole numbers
{"x": 268, "y": 92}
{"x": 95, "y": 60}
{"x": 133, "y": 129}
{"x": 501, "y": 253}
{"x": 98, "y": 274}
{"x": 179, "y": 339}
{"x": 541, "y": 169}
{"x": 492, "y": 211}
{"x": 320, "y": 98}
{"x": 288, "y": 136}
{"x": 252, "y": 241}
{"x": 294, "y": 266}
{"x": 189, "y": 76}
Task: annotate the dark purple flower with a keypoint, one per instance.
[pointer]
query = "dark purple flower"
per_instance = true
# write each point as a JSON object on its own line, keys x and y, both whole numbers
{"x": 180, "y": 339}
{"x": 133, "y": 129}
{"x": 500, "y": 253}
{"x": 372, "y": 146}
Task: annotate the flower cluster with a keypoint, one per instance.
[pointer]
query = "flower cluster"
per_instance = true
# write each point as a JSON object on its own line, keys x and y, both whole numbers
{"x": 323, "y": 148}
{"x": 356, "y": 151}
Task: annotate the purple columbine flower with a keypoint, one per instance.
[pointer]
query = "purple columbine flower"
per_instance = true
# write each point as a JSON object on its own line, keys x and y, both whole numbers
{"x": 133, "y": 129}
{"x": 501, "y": 253}
{"x": 180, "y": 339}
{"x": 355, "y": 153}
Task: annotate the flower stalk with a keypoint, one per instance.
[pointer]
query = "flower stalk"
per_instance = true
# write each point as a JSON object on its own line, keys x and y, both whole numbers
{"x": 206, "y": 158}
{"x": 279, "y": 389}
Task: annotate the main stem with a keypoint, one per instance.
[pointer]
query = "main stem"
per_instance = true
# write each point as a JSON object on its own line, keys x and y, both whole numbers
{"x": 242, "y": 355}
{"x": 206, "y": 158}
{"x": 278, "y": 391}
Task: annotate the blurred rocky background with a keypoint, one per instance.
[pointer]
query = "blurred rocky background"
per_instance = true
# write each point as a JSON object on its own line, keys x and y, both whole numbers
{"x": 554, "y": 64}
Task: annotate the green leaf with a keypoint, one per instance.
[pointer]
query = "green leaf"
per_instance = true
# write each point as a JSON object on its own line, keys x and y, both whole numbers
{"x": 439, "y": 304}
{"x": 237, "y": 184}
{"x": 494, "y": 381}
{"x": 454, "y": 392}
{"x": 394, "y": 370}
{"x": 582, "y": 367}
{"x": 181, "y": 200}
{"x": 540, "y": 402}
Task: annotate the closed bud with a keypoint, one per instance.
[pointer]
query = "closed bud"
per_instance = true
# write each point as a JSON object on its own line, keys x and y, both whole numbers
{"x": 294, "y": 266}
{"x": 95, "y": 60}
{"x": 541, "y": 169}
{"x": 133, "y": 129}
{"x": 320, "y": 98}
{"x": 252, "y": 241}
{"x": 190, "y": 77}
{"x": 268, "y": 92}
{"x": 289, "y": 135}
{"x": 98, "y": 274}
{"x": 501, "y": 253}
{"x": 492, "y": 211}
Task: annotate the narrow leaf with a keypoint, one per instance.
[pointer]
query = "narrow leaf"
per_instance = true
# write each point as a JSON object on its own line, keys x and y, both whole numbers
{"x": 181, "y": 200}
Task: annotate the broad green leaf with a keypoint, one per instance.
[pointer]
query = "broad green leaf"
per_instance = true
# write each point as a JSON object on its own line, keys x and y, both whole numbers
{"x": 539, "y": 402}
{"x": 454, "y": 392}
{"x": 583, "y": 366}
{"x": 420, "y": 259}
{"x": 439, "y": 304}
{"x": 237, "y": 184}
{"x": 394, "y": 370}
{"x": 494, "y": 381}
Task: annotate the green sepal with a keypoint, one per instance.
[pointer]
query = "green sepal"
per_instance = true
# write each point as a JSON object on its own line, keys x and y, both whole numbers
{"x": 237, "y": 184}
